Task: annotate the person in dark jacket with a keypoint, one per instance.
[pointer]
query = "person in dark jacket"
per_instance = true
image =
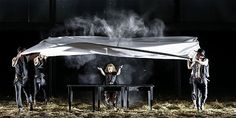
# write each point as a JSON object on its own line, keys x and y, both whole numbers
{"x": 19, "y": 62}
{"x": 39, "y": 78}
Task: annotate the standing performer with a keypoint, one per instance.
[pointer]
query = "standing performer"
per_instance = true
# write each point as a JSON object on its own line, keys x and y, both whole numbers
{"x": 199, "y": 78}
{"x": 110, "y": 78}
{"x": 39, "y": 78}
{"x": 21, "y": 79}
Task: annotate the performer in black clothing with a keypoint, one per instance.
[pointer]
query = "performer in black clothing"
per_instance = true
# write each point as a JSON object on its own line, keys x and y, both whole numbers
{"x": 21, "y": 79}
{"x": 39, "y": 78}
{"x": 110, "y": 78}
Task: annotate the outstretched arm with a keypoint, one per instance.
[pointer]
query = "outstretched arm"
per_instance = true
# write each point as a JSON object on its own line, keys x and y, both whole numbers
{"x": 203, "y": 62}
{"x": 189, "y": 62}
{"x": 119, "y": 70}
{"x": 15, "y": 59}
{"x": 36, "y": 61}
{"x": 103, "y": 73}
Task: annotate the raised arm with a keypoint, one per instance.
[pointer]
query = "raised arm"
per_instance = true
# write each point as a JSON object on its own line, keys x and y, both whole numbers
{"x": 119, "y": 70}
{"x": 189, "y": 62}
{"x": 203, "y": 62}
{"x": 36, "y": 61}
{"x": 15, "y": 60}
{"x": 103, "y": 73}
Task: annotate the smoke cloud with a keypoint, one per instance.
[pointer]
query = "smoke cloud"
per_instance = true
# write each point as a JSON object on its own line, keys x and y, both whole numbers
{"x": 78, "y": 61}
{"x": 116, "y": 24}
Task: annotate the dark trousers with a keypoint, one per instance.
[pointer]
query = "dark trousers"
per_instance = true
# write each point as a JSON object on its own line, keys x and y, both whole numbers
{"x": 111, "y": 97}
{"x": 200, "y": 91}
{"x": 39, "y": 86}
{"x": 25, "y": 86}
{"x": 18, "y": 88}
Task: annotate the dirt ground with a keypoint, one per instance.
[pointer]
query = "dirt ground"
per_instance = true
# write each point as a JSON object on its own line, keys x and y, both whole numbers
{"x": 161, "y": 108}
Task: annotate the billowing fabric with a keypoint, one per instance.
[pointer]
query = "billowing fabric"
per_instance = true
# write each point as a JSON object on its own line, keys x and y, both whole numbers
{"x": 172, "y": 47}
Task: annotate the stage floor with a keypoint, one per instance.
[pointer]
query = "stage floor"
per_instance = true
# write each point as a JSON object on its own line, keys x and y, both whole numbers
{"x": 58, "y": 107}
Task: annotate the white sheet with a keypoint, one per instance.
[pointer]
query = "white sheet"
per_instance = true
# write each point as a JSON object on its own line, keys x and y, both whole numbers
{"x": 172, "y": 47}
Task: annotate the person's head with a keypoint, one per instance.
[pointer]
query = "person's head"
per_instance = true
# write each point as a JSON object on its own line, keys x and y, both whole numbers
{"x": 201, "y": 53}
{"x": 19, "y": 49}
{"x": 40, "y": 56}
{"x": 110, "y": 68}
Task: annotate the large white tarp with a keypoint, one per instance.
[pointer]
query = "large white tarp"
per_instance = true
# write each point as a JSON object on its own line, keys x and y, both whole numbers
{"x": 172, "y": 47}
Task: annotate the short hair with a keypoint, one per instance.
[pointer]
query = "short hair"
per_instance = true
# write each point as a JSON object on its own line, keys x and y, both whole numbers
{"x": 201, "y": 51}
{"x": 19, "y": 49}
